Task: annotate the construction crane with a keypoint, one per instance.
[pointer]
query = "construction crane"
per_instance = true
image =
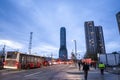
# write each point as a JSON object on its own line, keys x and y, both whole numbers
{"x": 30, "y": 43}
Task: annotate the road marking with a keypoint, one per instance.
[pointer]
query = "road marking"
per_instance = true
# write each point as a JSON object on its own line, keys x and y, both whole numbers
{"x": 31, "y": 74}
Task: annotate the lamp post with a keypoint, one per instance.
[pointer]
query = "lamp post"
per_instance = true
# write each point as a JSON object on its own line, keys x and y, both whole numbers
{"x": 98, "y": 55}
{"x": 75, "y": 52}
{"x": 75, "y": 47}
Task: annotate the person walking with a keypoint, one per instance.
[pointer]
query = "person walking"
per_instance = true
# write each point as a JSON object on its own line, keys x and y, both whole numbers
{"x": 85, "y": 69}
{"x": 79, "y": 64}
{"x": 101, "y": 67}
{"x": 94, "y": 65}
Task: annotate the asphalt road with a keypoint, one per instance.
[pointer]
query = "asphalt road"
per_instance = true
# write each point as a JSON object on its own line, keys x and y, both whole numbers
{"x": 45, "y": 73}
{"x": 55, "y": 72}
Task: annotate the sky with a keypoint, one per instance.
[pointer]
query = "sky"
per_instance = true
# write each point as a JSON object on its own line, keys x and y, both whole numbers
{"x": 45, "y": 18}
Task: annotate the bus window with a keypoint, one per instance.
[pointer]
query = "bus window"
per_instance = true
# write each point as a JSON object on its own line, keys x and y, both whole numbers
{"x": 12, "y": 55}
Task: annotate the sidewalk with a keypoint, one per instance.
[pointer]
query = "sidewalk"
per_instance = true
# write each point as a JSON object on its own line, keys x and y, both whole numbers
{"x": 79, "y": 75}
{"x": 74, "y": 73}
{"x": 94, "y": 74}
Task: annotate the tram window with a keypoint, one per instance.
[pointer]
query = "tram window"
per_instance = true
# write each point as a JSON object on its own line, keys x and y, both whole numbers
{"x": 22, "y": 59}
{"x": 12, "y": 55}
{"x": 35, "y": 58}
{"x": 32, "y": 59}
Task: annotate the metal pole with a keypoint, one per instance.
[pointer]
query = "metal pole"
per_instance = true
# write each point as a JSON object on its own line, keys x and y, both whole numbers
{"x": 30, "y": 43}
{"x": 4, "y": 50}
{"x": 3, "y": 55}
{"x": 75, "y": 48}
{"x": 75, "y": 53}
{"x": 98, "y": 56}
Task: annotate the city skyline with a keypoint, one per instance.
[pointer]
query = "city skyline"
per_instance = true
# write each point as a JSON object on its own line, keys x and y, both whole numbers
{"x": 44, "y": 18}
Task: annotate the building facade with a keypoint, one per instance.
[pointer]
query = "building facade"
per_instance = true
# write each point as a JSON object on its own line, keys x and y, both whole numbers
{"x": 100, "y": 40}
{"x": 90, "y": 37}
{"x": 94, "y": 40}
{"x": 118, "y": 20}
{"x": 63, "y": 50}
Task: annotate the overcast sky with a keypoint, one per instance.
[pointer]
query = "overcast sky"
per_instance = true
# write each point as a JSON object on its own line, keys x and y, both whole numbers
{"x": 45, "y": 18}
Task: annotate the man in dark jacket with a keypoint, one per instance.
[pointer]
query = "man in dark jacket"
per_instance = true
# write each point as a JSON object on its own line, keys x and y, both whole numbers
{"x": 85, "y": 69}
{"x": 79, "y": 64}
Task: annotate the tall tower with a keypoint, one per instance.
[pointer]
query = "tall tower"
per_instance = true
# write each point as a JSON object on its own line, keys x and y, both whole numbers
{"x": 94, "y": 40}
{"x": 100, "y": 40}
{"x": 63, "y": 50}
{"x": 90, "y": 37}
{"x": 118, "y": 20}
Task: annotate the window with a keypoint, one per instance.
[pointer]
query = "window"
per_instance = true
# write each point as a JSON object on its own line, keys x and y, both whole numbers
{"x": 11, "y": 55}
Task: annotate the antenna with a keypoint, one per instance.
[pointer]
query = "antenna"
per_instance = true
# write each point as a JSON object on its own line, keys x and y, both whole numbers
{"x": 30, "y": 43}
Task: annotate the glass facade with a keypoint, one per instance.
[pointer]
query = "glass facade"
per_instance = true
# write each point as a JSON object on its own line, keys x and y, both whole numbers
{"x": 90, "y": 37}
{"x": 94, "y": 39}
{"x": 63, "y": 49}
{"x": 118, "y": 20}
{"x": 100, "y": 40}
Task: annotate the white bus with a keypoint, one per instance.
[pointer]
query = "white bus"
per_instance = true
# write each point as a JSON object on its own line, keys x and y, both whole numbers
{"x": 17, "y": 60}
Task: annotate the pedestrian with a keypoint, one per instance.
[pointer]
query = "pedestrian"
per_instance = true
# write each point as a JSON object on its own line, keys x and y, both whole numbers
{"x": 101, "y": 67}
{"x": 85, "y": 69}
{"x": 79, "y": 64}
{"x": 94, "y": 65}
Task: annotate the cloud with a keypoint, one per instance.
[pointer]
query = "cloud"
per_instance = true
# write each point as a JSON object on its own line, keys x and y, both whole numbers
{"x": 44, "y": 19}
{"x": 45, "y": 49}
{"x": 11, "y": 44}
{"x": 112, "y": 46}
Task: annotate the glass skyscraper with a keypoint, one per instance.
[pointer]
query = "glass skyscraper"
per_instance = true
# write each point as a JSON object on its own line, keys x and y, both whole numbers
{"x": 63, "y": 50}
{"x": 90, "y": 37}
{"x": 100, "y": 40}
{"x": 118, "y": 20}
{"x": 94, "y": 40}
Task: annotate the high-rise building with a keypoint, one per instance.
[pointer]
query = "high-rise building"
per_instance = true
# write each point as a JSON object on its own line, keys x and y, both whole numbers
{"x": 90, "y": 37}
{"x": 63, "y": 50}
{"x": 94, "y": 40}
{"x": 118, "y": 20}
{"x": 100, "y": 40}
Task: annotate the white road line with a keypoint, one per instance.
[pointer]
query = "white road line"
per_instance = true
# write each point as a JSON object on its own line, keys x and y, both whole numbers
{"x": 31, "y": 74}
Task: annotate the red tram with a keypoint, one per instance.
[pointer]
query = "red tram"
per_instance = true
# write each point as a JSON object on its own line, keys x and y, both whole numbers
{"x": 17, "y": 60}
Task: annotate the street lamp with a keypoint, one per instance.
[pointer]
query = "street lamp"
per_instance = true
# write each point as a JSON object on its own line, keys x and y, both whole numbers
{"x": 75, "y": 52}
{"x": 75, "y": 48}
{"x": 98, "y": 55}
